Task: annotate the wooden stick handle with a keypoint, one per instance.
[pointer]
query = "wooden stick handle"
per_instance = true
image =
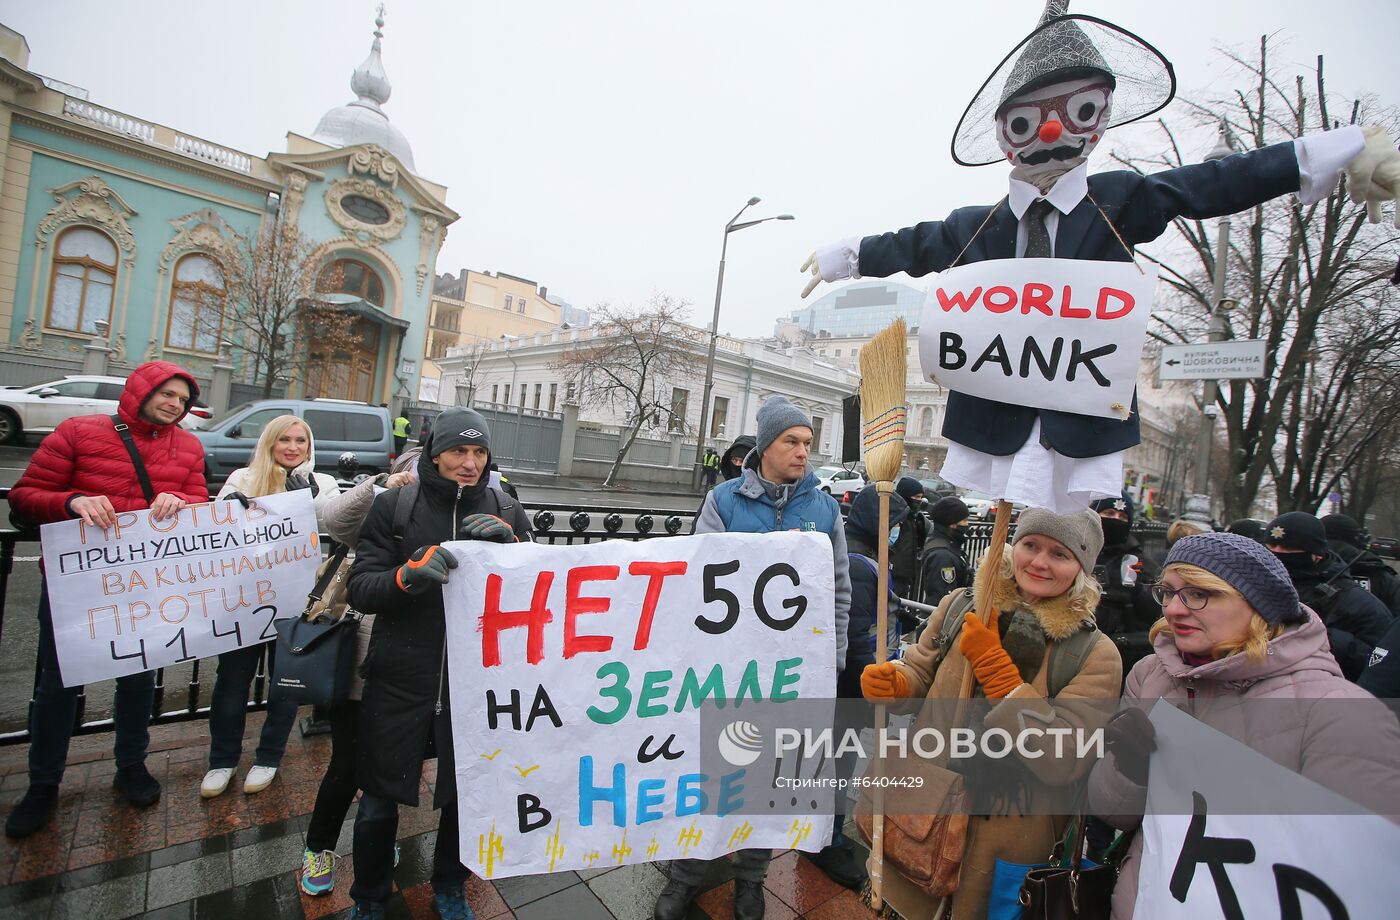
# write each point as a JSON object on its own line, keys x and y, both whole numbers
{"x": 882, "y": 619}
{"x": 992, "y": 563}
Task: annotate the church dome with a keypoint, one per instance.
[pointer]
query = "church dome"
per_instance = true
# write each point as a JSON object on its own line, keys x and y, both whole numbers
{"x": 363, "y": 121}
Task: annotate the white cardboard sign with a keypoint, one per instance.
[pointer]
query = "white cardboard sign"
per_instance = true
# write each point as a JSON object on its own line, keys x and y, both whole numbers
{"x": 1062, "y": 334}
{"x": 144, "y": 593}
{"x": 577, "y": 675}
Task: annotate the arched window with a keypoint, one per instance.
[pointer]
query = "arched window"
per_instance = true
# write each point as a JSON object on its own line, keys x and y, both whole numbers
{"x": 349, "y": 276}
{"x": 926, "y": 422}
{"x": 84, "y": 277}
{"x": 196, "y": 305}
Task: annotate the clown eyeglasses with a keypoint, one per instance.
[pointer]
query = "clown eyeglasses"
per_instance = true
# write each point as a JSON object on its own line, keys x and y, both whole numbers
{"x": 1080, "y": 111}
{"x": 1191, "y": 598}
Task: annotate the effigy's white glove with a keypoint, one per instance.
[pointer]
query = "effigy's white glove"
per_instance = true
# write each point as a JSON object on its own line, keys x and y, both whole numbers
{"x": 810, "y": 266}
{"x": 1373, "y": 176}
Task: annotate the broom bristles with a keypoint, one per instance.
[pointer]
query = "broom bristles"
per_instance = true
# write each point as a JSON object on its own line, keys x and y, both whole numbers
{"x": 883, "y": 367}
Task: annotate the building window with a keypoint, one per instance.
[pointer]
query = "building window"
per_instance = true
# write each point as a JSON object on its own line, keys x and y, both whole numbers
{"x": 495, "y": 387}
{"x": 508, "y": 301}
{"x": 520, "y": 305}
{"x": 553, "y": 392}
{"x": 505, "y": 401}
{"x": 817, "y": 422}
{"x": 539, "y": 390}
{"x": 196, "y": 305}
{"x": 523, "y": 388}
{"x": 348, "y": 276}
{"x": 365, "y": 210}
{"x": 838, "y": 353}
{"x": 679, "y": 397}
{"x": 926, "y": 422}
{"x": 719, "y": 416}
{"x": 84, "y": 277}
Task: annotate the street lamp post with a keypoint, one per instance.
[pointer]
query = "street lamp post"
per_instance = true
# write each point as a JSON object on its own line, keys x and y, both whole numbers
{"x": 729, "y": 228}
{"x": 1217, "y": 330}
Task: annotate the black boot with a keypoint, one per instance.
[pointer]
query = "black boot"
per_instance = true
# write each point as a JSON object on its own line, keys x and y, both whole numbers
{"x": 139, "y": 786}
{"x": 674, "y": 901}
{"x": 840, "y": 865}
{"x": 33, "y": 811}
{"x": 748, "y": 900}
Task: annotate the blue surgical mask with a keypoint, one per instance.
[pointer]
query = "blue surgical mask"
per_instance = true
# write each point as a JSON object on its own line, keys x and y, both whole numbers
{"x": 894, "y": 534}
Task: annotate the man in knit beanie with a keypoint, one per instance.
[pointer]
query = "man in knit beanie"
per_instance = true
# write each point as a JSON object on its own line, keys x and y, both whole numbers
{"x": 775, "y": 492}
{"x": 906, "y": 555}
{"x": 1355, "y": 619}
{"x": 945, "y": 564}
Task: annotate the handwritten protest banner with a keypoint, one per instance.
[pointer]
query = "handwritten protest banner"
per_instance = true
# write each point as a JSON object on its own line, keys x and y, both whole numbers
{"x": 577, "y": 678}
{"x": 144, "y": 593}
{"x": 1322, "y": 860}
{"x": 1061, "y": 334}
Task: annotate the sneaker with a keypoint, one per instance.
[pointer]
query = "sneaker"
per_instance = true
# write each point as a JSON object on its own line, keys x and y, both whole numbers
{"x": 452, "y": 905}
{"x": 258, "y": 779}
{"x": 840, "y": 865}
{"x": 215, "y": 782}
{"x": 33, "y": 811}
{"x": 364, "y": 910}
{"x": 317, "y": 872}
{"x": 137, "y": 783}
{"x": 674, "y": 901}
{"x": 748, "y": 900}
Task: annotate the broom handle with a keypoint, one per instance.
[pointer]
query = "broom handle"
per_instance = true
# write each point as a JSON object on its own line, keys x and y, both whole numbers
{"x": 984, "y": 603}
{"x": 882, "y": 619}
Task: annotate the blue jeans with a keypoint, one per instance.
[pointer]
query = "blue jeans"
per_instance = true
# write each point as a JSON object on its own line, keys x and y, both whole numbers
{"x": 228, "y": 713}
{"x": 56, "y": 708}
{"x": 376, "y": 828}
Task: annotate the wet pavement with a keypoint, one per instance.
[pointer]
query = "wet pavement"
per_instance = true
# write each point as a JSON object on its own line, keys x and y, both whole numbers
{"x": 240, "y": 855}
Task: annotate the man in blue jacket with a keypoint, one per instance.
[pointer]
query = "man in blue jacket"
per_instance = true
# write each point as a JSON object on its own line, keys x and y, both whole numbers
{"x": 775, "y": 492}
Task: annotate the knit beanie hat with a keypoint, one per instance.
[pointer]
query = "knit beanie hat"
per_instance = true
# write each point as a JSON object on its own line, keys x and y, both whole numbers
{"x": 1297, "y": 530}
{"x": 1248, "y": 567}
{"x": 1248, "y": 527}
{"x": 776, "y": 416}
{"x": 1081, "y": 532}
{"x": 457, "y": 426}
{"x": 949, "y": 510}
{"x": 908, "y": 487}
{"x": 1344, "y": 529}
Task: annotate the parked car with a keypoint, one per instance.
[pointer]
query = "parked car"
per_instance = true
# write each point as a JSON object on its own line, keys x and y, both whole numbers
{"x": 38, "y": 409}
{"x": 1386, "y": 546}
{"x": 836, "y": 481}
{"x": 337, "y": 426}
{"x": 982, "y": 506}
{"x": 936, "y": 488}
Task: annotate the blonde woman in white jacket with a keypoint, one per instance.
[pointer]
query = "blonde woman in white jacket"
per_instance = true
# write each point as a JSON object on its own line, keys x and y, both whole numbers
{"x": 283, "y": 461}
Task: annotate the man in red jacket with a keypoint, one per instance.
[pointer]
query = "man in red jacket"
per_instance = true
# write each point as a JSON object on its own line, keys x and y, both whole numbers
{"x": 83, "y": 470}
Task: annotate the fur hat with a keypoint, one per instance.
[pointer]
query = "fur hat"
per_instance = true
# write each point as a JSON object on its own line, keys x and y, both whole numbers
{"x": 1080, "y": 532}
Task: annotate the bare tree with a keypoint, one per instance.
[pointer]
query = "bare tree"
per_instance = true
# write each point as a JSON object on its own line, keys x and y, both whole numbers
{"x": 631, "y": 362}
{"x": 1304, "y": 279}
{"x": 274, "y": 314}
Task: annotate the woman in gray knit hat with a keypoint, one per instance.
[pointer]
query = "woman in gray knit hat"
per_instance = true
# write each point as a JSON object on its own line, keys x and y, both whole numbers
{"x": 1232, "y": 630}
{"x": 1040, "y": 644}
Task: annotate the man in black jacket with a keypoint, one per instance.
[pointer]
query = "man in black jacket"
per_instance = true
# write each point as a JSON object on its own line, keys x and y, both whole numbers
{"x": 1355, "y": 620}
{"x": 1126, "y": 610}
{"x": 906, "y": 554}
{"x": 405, "y": 715}
{"x": 1346, "y": 538}
{"x": 945, "y": 563}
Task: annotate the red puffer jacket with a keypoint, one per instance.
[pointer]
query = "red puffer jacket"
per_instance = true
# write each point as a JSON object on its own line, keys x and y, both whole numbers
{"x": 86, "y": 456}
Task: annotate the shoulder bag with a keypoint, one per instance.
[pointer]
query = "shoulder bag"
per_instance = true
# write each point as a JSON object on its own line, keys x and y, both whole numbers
{"x": 315, "y": 659}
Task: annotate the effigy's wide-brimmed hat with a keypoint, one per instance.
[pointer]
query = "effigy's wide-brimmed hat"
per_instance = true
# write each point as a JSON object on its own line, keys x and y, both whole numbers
{"x": 1062, "y": 47}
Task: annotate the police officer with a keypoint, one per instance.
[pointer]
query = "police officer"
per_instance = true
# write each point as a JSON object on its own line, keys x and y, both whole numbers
{"x": 945, "y": 564}
{"x": 1126, "y": 610}
{"x": 907, "y": 551}
{"x": 1346, "y": 538}
{"x": 1355, "y": 620}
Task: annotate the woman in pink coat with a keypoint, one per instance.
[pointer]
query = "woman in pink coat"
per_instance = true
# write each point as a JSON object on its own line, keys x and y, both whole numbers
{"x": 1233, "y": 630}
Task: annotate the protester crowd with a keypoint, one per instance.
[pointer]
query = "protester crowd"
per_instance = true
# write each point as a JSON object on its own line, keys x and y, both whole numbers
{"x": 1079, "y": 611}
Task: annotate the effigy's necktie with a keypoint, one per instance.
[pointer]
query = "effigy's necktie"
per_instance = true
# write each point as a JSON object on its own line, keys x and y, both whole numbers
{"x": 1037, "y": 235}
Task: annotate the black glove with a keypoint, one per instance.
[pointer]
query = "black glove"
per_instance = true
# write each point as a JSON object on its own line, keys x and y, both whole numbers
{"x": 239, "y": 497}
{"x": 1132, "y": 739}
{"x": 482, "y": 526}
{"x": 425, "y": 569}
{"x": 297, "y": 481}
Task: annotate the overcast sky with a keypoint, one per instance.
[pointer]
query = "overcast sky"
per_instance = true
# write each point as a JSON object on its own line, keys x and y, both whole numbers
{"x": 599, "y": 147}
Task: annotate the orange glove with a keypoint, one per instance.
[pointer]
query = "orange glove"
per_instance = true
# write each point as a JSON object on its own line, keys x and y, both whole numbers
{"x": 981, "y": 646}
{"x": 883, "y": 682}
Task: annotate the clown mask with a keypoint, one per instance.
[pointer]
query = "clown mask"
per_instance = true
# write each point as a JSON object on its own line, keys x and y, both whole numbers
{"x": 1047, "y": 131}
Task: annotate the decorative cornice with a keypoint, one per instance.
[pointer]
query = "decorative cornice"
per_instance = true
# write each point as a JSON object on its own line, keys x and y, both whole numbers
{"x": 90, "y": 201}
{"x": 367, "y": 188}
{"x": 375, "y": 162}
{"x": 424, "y": 201}
{"x": 199, "y": 231}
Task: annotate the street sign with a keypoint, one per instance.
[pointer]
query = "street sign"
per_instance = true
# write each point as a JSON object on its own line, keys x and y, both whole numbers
{"x": 1233, "y": 360}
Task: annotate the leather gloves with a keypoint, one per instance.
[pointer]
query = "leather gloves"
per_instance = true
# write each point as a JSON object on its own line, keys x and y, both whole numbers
{"x": 482, "y": 526}
{"x": 239, "y": 497}
{"x": 425, "y": 569}
{"x": 883, "y": 682}
{"x": 297, "y": 481}
{"x": 981, "y": 646}
{"x": 1132, "y": 739}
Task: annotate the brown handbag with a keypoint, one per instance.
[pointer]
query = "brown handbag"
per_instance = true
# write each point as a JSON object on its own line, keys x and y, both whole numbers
{"x": 1073, "y": 892}
{"x": 927, "y": 849}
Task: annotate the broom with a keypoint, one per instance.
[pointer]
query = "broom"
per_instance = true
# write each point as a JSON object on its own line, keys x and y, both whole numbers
{"x": 883, "y": 366}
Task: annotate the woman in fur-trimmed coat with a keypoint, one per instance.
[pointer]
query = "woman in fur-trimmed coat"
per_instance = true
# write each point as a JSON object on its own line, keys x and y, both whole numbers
{"x": 1042, "y": 597}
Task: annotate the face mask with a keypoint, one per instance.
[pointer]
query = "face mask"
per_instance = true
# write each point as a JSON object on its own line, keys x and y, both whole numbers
{"x": 956, "y": 535}
{"x": 894, "y": 534}
{"x": 1296, "y": 562}
{"x": 1115, "y": 532}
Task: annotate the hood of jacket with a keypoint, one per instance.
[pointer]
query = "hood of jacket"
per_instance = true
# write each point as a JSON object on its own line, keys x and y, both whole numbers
{"x": 1060, "y": 616}
{"x": 1302, "y": 648}
{"x": 863, "y": 521}
{"x": 142, "y": 382}
{"x": 741, "y": 447}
